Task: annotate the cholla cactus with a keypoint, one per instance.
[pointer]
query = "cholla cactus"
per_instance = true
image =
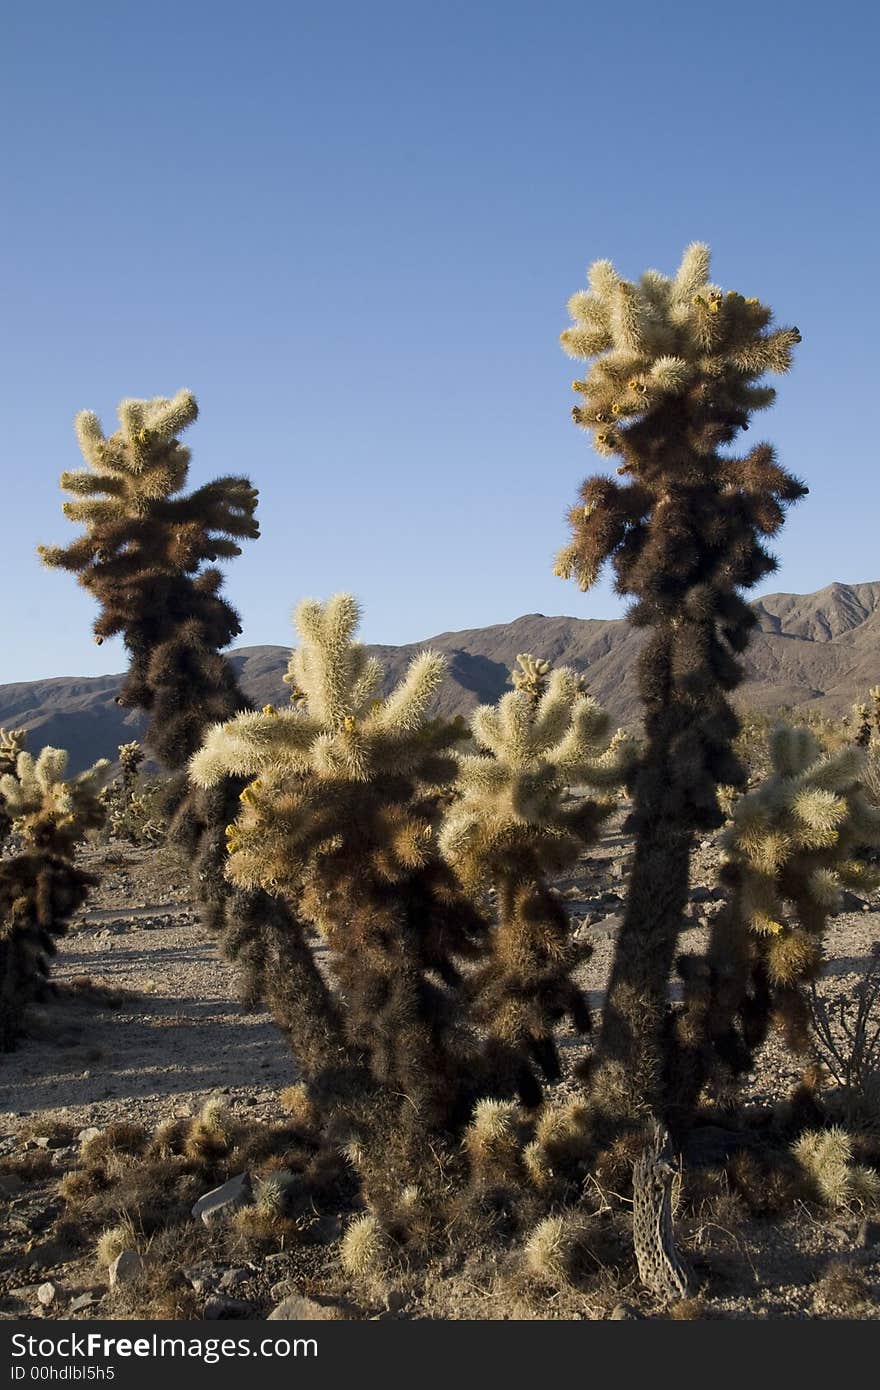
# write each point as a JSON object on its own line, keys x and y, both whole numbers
{"x": 47, "y": 812}
{"x": 509, "y": 829}
{"x": 861, "y": 721}
{"x": 146, "y": 555}
{"x": 791, "y": 848}
{"x": 340, "y": 814}
{"x": 142, "y": 557}
{"x": 11, "y": 744}
{"x": 826, "y": 1158}
{"x": 677, "y": 371}
{"x": 40, "y": 887}
{"x": 129, "y": 815}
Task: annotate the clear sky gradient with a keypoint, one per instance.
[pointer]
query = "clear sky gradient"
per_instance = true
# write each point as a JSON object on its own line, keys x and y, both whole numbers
{"x": 352, "y": 228}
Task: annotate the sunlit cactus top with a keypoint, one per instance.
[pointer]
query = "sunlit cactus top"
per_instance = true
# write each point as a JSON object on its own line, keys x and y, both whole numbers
{"x": 664, "y": 337}
{"x": 47, "y": 811}
{"x": 336, "y": 725}
{"x": 540, "y": 738}
{"x": 676, "y": 371}
{"x": 138, "y": 473}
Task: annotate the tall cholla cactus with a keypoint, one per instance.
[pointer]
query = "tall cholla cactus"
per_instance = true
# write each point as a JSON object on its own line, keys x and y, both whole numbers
{"x": 142, "y": 557}
{"x": 40, "y": 886}
{"x": 791, "y": 850}
{"x": 510, "y": 828}
{"x": 677, "y": 371}
{"x": 340, "y": 814}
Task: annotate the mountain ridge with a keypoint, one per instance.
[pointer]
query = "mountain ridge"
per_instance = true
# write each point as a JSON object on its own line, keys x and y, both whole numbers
{"x": 819, "y": 650}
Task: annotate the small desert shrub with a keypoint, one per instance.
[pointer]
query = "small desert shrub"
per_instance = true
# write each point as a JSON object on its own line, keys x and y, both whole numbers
{"x": 34, "y": 1165}
{"x": 841, "y": 1289}
{"x": 769, "y": 1182}
{"x": 847, "y": 1035}
{"x": 686, "y": 1310}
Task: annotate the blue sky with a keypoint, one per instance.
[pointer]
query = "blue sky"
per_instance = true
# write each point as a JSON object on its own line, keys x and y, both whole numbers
{"x": 352, "y": 229}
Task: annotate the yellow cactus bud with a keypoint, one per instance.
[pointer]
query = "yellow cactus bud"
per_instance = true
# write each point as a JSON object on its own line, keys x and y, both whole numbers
{"x": 350, "y": 723}
{"x": 269, "y": 709}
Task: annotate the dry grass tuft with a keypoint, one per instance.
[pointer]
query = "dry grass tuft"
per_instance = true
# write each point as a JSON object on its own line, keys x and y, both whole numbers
{"x": 297, "y": 1103}
{"x": 550, "y": 1251}
{"x": 112, "y": 1241}
{"x": 32, "y": 1165}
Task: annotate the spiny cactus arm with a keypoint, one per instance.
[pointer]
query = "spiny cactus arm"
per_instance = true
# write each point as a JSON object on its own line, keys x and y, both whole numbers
{"x": 553, "y": 714}
{"x": 329, "y": 662}
{"x": 404, "y": 710}
{"x": 224, "y": 508}
{"x": 249, "y": 743}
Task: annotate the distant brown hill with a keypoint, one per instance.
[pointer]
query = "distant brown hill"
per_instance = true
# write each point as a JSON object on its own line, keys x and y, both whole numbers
{"x": 820, "y": 650}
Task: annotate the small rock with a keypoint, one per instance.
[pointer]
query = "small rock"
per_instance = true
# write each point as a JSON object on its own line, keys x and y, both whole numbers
{"x": 125, "y": 1268}
{"x": 203, "y": 1279}
{"x": 851, "y": 902}
{"x": 85, "y": 1135}
{"x": 234, "y": 1278}
{"x": 82, "y": 1300}
{"x": 10, "y": 1184}
{"x": 296, "y": 1308}
{"x": 217, "y": 1308}
{"x": 222, "y": 1201}
{"x": 868, "y": 1234}
{"x": 46, "y": 1294}
{"x": 608, "y": 926}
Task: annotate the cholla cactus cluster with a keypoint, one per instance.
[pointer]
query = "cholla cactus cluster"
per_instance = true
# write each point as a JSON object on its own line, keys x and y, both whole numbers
{"x": 40, "y": 886}
{"x": 511, "y": 827}
{"x": 792, "y": 848}
{"x": 341, "y": 813}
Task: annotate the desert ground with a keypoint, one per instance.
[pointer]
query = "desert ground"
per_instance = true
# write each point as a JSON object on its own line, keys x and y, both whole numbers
{"x": 147, "y": 1026}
